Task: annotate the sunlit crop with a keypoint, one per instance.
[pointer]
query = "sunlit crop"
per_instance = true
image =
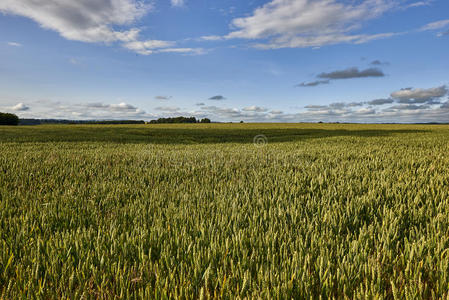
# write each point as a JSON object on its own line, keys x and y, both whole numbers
{"x": 190, "y": 211}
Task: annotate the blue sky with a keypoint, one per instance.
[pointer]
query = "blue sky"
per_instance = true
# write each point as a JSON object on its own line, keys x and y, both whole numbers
{"x": 229, "y": 60}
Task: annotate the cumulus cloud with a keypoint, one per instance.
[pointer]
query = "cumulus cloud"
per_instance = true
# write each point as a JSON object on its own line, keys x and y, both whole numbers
{"x": 380, "y": 101}
{"x": 255, "y": 109}
{"x": 378, "y": 110}
{"x": 168, "y": 108}
{"x": 117, "y": 107}
{"x": 310, "y": 23}
{"x": 122, "y": 106}
{"x": 276, "y": 112}
{"x": 352, "y": 73}
{"x": 312, "y": 83}
{"x": 354, "y": 104}
{"x": 93, "y": 21}
{"x": 218, "y": 97}
{"x": 386, "y": 110}
{"x": 410, "y": 96}
{"x": 14, "y": 44}
{"x": 200, "y": 104}
{"x": 407, "y": 107}
{"x": 316, "y": 107}
{"x": 20, "y": 107}
{"x": 48, "y": 109}
{"x": 365, "y": 111}
{"x": 334, "y": 106}
{"x": 83, "y": 20}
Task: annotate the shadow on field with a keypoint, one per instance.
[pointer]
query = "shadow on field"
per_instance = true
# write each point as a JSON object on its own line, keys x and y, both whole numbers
{"x": 191, "y": 135}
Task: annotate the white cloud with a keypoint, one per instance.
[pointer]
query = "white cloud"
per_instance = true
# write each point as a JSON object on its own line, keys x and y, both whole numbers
{"x": 420, "y": 3}
{"x": 309, "y": 23}
{"x": 93, "y": 21}
{"x": 81, "y": 20}
{"x": 49, "y": 109}
{"x": 443, "y": 33}
{"x": 20, "y": 107}
{"x": 177, "y": 3}
{"x": 193, "y": 51}
{"x": 276, "y": 112}
{"x": 211, "y": 38}
{"x": 122, "y": 106}
{"x": 255, "y": 109}
{"x": 147, "y": 47}
{"x": 170, "y": 109}
{"x": 420, "y": 95}
{"x": 14, "y": 44}
{"x": 435, "y": 25}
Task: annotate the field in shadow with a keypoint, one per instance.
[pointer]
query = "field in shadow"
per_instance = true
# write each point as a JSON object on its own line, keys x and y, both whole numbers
{"x": 191, "y": 134}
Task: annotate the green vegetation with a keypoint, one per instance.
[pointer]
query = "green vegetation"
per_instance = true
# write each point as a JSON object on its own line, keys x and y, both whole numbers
{"x": 178, "y": 120}
{"x": 196, "y": 210}
{"x": 62, "y": 121}
{"x": 8, "y": 119}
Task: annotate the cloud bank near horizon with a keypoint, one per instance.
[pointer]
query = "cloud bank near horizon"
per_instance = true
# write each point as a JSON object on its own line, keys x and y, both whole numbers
{"x": 406, "y": 105}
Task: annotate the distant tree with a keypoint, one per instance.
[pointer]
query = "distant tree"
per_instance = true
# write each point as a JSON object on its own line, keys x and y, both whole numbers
{"x": 179, "y": 120}
{"x": 60, "y": 121}
{"x": 8, "y": 119}
{"x": 241, "y": 121}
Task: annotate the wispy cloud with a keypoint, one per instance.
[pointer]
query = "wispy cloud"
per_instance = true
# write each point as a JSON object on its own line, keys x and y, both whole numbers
{"x": 211, "y": 38}
{"x": 445, "y": 33}
{"x": 435, "y": 25}
{"x": 177, "y": 3}
{"x": 163, "y": 97}
{"x": 312, "y": 83}
{"x": 14, "y": 44}
{"x": 255, "y": 108}
{"x": 352, "y": 73}
{"x": 310, "y": 23}
{"x": 419, "y": 4}
{"x": 168, "y": 108}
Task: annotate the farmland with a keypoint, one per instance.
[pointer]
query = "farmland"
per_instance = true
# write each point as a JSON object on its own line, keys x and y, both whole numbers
{"x": 200, "y": 211}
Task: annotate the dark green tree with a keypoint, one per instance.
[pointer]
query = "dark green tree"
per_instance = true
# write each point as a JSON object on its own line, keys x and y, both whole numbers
{"x": 8, "y": 119}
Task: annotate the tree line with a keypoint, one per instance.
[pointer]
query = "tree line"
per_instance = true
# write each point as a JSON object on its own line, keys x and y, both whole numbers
{"x": 59, "y": 121}
{"x": 8, "y": 119}
{"x": 12, "y": 119}
{"x": 179, "y": 120}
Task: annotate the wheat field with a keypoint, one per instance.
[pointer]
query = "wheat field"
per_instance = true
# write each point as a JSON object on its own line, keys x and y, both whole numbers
{"x": 201, "y": 211}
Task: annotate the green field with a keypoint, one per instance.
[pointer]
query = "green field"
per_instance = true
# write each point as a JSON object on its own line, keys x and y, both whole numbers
{"x": 191, "y": 211}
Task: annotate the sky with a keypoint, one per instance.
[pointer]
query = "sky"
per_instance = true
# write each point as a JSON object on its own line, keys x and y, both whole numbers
{"x": 229, "y": 60}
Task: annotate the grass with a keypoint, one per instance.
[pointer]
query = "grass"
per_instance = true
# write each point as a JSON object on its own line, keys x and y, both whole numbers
{"x": 198, "y": 211}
